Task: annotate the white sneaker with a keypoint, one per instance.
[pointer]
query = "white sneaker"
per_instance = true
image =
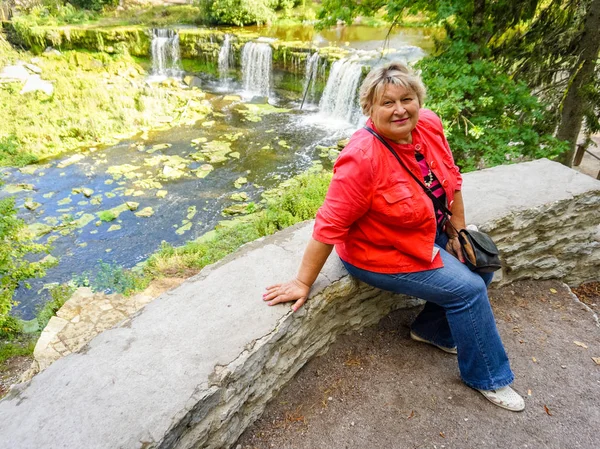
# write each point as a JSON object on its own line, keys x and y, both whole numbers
{"x": 505, "y": 397}
{"x": 415, "y": 337}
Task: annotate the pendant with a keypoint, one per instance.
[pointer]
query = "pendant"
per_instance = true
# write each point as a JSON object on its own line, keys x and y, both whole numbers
{"x": 428, "y": 179}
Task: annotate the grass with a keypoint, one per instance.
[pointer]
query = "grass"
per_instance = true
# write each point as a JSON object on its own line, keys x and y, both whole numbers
{"x": 294, "y": 201}
{"x": 8, "y": 350}
{"x": 98, "y": 99}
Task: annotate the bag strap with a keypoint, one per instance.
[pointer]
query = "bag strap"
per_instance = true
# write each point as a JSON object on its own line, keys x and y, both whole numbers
{"x": 428, "y": 192}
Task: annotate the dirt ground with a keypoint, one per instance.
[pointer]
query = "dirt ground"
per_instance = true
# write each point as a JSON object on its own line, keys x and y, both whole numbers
{"x": 379, "y": 389}
{"x": 11, "y": 371}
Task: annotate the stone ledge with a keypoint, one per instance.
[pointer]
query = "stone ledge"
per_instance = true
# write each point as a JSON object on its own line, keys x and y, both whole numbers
{"x": 197, "y": 365}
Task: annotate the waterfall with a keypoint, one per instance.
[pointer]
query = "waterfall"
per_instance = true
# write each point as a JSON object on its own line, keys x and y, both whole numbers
{"x": 165, "y": 53}
{"x": 225, "y": 59}
{"x": 256, "y": 68}
{"x": 340, "y": 97}
{"x": 311, "y": 73}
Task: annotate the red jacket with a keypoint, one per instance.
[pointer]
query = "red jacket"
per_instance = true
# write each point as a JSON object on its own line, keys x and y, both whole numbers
{"x": 376, "y": 215}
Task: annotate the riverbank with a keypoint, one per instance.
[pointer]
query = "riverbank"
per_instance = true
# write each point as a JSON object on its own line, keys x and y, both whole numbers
{"x": 96, "y": 99}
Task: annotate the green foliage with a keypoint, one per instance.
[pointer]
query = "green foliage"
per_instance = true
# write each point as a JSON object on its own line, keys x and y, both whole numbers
{"x": 239, "y": 12}
{"x": 15, "y": 268}
{"x": 489, "y": 118}
{"x": 54, "y": 13}
{"x": 106, "y": 215}
{"x": 111, "y": 278}
{"x": 157, "y": 16}
{"x": 10, "y": 154}
{"x": 15, "y": 349}
{"x": 94, "y": 5}
{"x": 10, "y": 327}
{"x": 59, "y": 294}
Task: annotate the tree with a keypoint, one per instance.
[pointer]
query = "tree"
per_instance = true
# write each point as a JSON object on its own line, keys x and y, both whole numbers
{"x": 557, "y": 54}
{"x": 552, "y": 45}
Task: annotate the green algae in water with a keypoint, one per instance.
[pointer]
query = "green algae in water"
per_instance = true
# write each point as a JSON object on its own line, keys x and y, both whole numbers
{"x": 114, "y": 227}
{"x": 238, "y": 183}
{"x": 146, "y": 212}
{"x": 239, "y": 196}
{"x": 125, "y": 170}
{"x": 183, "y": 229}
{"x": 191, "y": 212}
{"x": 254, "y": 112}
{"x": 84, "y": 220}
{"x": 64, "y": 201}
{"x": 161, "y": 193}
{"x": 216, "y": 151}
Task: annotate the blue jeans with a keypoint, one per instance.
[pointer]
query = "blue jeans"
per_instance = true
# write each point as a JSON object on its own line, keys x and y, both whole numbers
{"x": 457, "y": 313}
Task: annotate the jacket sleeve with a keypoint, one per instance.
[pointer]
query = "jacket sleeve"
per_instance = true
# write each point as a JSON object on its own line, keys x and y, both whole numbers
{"x": 348, "y": 198}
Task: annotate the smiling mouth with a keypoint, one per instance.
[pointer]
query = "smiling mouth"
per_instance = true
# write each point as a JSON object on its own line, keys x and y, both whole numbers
{"x": 403, "y": 120}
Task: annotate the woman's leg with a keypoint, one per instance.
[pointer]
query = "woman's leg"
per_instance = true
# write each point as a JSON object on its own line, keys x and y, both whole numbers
{"x": 462, "y": 294}
{"x": 431, "y": 324}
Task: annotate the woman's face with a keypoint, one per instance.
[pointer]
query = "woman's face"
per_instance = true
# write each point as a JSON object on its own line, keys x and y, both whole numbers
{"x": 396, "y": 113}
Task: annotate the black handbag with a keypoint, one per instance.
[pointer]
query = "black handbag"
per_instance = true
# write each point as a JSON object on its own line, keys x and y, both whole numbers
{"x": 480, "y": 251}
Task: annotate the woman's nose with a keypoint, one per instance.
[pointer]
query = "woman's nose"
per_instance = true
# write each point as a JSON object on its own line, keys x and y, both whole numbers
{"x": 398, "y": 108}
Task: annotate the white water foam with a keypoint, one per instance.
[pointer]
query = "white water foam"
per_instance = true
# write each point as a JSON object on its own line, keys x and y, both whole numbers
{"x": 256, "y": 68}
{"x": 340, "y": 97}
{"x": 166, "y": 60}
{"x": 225, "y": 61}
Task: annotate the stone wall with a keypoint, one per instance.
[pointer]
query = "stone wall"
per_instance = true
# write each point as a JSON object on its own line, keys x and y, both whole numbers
{"x": 197, "y": 365}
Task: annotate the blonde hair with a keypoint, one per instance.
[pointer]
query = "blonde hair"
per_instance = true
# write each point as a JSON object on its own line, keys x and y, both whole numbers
{"x": 394, "y": 73}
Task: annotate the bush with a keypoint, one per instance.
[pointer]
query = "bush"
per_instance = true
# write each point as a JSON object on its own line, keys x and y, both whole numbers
{"x": 111, "y": 278}
{"x": 59, "y": 294}
{"x": 94, "y": 5}
{"x": 489, "y": 118}
{"x": 10, "y": 327}
{"x": 10, "y": 154}
{"x": 15, "y": 267}
{"x": 239, "y": 12}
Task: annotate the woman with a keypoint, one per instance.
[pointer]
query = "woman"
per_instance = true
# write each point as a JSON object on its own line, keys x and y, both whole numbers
{"x": 389, "y": 234}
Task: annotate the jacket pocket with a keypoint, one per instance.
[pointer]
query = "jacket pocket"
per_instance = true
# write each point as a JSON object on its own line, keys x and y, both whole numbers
{"x": 397, "y": 193}
{"x": 396, "y": 205}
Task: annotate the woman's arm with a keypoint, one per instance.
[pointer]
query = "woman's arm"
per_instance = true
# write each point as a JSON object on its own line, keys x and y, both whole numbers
{"x": 315, "y": 256}
{"x": 458, "y": 221}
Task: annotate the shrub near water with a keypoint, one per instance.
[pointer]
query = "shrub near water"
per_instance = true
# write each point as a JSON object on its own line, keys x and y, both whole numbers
{"x": 294, "y": 201}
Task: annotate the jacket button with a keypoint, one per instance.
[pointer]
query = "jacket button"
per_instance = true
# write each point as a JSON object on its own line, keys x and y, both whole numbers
{"x": 433, "y": 164}
{"x": 444, "y": 183}
{"x": 418, "y": 147}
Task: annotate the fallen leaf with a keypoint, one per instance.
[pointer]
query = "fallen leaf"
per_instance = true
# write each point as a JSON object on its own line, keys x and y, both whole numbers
{"x": 547, "y": 410}
{"x": 578, "y": 343}
{"x": 552, "y": 290}
{"x": 596, "y": 360}
{"x": 412, "y": 414}
{"x": 534, "y": 359}
{"x": 442, "y": 435}
{"x": 528, "y": 392}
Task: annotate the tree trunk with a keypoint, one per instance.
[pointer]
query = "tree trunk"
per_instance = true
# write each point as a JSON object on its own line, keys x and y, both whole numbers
{"x": 574, "y": 103}
{"x": 477, "y": 28}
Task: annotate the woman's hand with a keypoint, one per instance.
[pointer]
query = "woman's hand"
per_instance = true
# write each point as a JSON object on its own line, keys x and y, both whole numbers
{"x": 293, "y": 290}
{"x": 454, "y": 248}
